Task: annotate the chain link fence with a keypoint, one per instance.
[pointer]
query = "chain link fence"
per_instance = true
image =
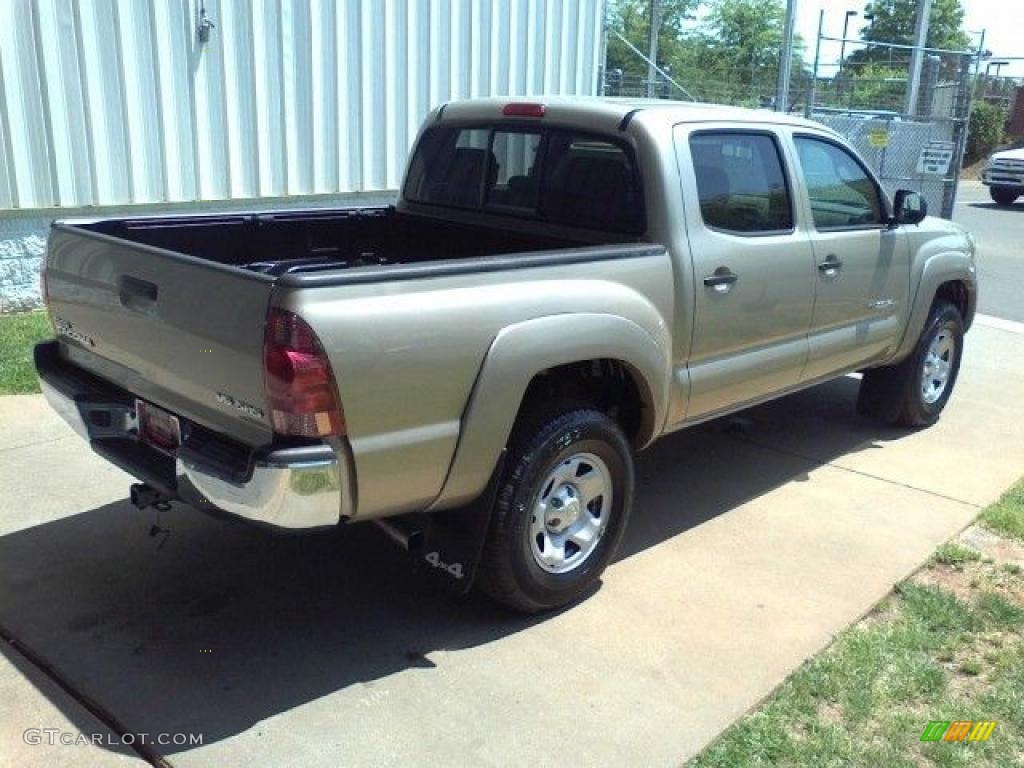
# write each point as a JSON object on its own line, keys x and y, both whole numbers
{"x": 910, "y": 143}
{"x": 734, "y": 91}
{"x": 894, "y": 150}
{"x": 863, "y": 97}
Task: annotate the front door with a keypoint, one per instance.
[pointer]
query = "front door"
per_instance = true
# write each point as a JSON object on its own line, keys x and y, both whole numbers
{"x": 863, "y": 265}
{"x": 753, "y": 267}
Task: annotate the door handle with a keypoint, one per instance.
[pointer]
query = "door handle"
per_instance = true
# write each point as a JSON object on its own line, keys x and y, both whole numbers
{"x": 831, "y": 265}
{"x": 135, "y": 293}
{"x": 722, "y": 280}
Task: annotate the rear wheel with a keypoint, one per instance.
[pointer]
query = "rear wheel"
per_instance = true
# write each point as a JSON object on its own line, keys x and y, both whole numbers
{"x": 914, "y": 392}
{"x": 561, "y": 509}
{"x": 1004, "y": 195}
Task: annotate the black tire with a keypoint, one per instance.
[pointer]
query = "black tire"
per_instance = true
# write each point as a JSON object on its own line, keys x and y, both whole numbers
{"x": 509, "y": 571}
{"x": 1004, "y": 195}
{"x": 895, "y": 394}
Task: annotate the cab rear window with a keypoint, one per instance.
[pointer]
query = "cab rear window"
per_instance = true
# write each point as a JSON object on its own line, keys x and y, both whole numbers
{"x": 556, "y": 176}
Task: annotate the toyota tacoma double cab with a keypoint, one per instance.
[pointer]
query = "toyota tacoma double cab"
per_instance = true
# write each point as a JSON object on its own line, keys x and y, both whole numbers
{"x": 560, "y": 283}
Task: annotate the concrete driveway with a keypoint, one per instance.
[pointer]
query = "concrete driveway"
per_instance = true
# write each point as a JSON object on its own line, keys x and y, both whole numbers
{"x": 754, "y": 540}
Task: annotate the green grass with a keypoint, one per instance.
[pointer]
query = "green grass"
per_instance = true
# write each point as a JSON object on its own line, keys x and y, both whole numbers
{"x": 952, "y": 553}
{"x": 1006, "y": 516}
{"x": 948, "y": 644}
{"x": 18, "y": 334}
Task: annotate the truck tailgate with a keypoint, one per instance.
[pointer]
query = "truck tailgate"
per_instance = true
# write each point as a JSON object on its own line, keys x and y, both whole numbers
{"x": 175, "y": 330}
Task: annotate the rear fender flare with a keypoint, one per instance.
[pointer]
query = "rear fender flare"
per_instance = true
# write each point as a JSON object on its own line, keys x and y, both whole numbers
{"x": 520, "y": 352}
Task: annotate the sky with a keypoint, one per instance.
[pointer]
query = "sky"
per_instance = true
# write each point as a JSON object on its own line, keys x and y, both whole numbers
{"x": 1002, "y": 20}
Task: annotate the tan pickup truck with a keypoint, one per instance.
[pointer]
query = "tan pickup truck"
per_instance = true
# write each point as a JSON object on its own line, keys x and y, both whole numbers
{"x": 560, "y": 283}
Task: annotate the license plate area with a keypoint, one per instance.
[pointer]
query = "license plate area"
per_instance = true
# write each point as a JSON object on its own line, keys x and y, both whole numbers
{"x": 157, "y": 427}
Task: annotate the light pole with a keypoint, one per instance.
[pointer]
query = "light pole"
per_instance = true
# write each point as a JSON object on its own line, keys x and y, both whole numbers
{"x": 842, "y": 45}
{"x": 998, "y": 64}
{"x": 980, "y": 54}
{"x": 652, "y": 49}
{"x": 813, "y": 94}
{"x": 924, "y": 10}
{"x": 786, "y": 59}
{"x": 842, "y": 55}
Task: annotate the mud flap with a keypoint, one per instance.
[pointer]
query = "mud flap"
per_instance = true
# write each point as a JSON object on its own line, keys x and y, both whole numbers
{"x": 879, "y": 395}
{"x": 453, "y": 540}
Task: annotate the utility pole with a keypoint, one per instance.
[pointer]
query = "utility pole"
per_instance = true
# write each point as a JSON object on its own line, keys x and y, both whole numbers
{"x": 652, "y": 49}
{"x": 924, "y": 12}
{"x": 786, "y": 59}
{"x": 842, "y": 56}
{"x": 812, "y": 96}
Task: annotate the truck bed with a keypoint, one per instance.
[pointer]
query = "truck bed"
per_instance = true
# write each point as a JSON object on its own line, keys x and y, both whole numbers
{"x": 172, "y": 309}
{"x": 314, "y": 241}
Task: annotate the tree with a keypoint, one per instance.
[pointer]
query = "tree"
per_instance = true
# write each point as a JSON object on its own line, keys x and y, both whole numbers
{"x": 632, "y": 20}
{"x": 738, "y": 46}
{"x": 893, "y": 22}
{"x": 730, "y": 55}
{"x": 985, "y": 132}
{"x": 875, "y": 86}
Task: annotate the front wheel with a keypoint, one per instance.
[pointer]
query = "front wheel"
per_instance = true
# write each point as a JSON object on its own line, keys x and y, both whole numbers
{"x": 1004, "y": 195}
{"x": 914, "y": 392}
{"x": 561, "y": 509}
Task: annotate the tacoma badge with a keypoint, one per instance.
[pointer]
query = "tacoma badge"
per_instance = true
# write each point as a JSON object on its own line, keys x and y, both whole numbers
{"x": 248, "y": 409}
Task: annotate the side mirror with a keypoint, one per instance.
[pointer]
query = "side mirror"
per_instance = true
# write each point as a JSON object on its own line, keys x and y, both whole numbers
{"x": 909, "y": 208}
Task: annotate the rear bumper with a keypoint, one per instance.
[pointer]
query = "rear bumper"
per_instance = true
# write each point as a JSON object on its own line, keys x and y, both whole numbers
{"x": 294, "y": 488}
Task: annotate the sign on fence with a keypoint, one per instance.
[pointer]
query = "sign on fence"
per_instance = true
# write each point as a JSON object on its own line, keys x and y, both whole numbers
{"x": 936, "y": 157}
{"x": 878, "y": 138}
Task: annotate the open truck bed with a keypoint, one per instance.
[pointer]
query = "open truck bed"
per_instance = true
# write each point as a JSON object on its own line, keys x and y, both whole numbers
{"x": 173, "y": 308}
{"x": 288, "y": 242}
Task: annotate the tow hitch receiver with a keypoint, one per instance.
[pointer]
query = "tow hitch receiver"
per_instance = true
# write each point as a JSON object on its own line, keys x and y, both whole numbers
{"x": 144, "y": 496}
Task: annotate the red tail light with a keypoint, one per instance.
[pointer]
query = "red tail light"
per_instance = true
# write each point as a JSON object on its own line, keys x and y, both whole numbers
{"x": 524, "y": 109}
{"x": 300, "y": 387}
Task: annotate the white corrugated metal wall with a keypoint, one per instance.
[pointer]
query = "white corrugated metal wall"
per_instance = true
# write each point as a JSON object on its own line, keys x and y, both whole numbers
{"x": 112, "y": 102}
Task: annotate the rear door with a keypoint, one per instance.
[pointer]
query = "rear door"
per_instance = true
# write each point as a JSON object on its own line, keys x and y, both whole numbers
{"x": 753, "y": 268}
{"x": 175, "y": 330}
{"x": 862, "y": 279}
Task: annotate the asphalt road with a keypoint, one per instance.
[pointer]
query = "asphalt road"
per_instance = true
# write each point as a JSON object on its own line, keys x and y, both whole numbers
{"x": 1000, "y": 235}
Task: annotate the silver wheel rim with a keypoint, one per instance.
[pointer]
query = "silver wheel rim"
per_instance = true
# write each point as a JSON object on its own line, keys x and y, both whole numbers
{"x": 938, "y": 363}
{"x": 571, "y": 513}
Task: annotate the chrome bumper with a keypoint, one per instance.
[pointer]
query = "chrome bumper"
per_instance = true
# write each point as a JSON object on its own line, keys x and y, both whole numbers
{"x": 998, "y": 177}
{"x": 286, "y": 493}
{"x": 291, "y": 488}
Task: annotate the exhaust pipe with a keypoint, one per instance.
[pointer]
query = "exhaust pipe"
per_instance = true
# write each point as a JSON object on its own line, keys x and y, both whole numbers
{"x": 401, "y": 532}
{"x": 143, "y": 496}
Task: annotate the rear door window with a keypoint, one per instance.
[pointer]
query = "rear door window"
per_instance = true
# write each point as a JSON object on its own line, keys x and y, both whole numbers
{"x": 557, "y": 176}
{"x": 741, "y": 184}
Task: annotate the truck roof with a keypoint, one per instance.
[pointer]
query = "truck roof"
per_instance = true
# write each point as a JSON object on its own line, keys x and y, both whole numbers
{"x": 609, "y": 114}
